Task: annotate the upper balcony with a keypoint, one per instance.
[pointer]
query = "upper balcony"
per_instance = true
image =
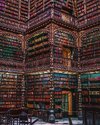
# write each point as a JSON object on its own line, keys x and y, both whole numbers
{"x": 55, "y": 11}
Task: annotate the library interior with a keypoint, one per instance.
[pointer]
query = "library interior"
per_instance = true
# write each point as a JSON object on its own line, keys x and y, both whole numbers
{"x": 50, "y": 60}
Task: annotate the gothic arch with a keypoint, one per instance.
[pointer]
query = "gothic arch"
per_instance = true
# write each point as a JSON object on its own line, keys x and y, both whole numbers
{"x": 18, "y": 36}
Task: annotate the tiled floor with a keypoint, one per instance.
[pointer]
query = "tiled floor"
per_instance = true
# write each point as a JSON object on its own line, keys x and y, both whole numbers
{"x": 61, "y": 122}
{"x": 65, "y": 121}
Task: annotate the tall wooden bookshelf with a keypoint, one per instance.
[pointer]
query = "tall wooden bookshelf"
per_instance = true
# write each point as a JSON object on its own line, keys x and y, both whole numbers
{"x": 10, "y": 90}
{"x": 14, "y": 14}
{"x": 90, "y": 51}
{"x": 88, "y": 12}
{"x": 11, "y": 71}
{"x": 91, "y": 97}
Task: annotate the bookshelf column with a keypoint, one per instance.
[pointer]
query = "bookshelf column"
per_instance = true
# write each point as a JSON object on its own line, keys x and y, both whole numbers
{"x": 23, "y": 91}
{"x": 51, "y": 90}
{"x": 80, "y": 97}
{"x": 75, "y": 7}
{"x": 51, "y": 69}
{"x": 79, "y": 79}
{"x": 19, "y": 9}
{"x": 28, "y": 11}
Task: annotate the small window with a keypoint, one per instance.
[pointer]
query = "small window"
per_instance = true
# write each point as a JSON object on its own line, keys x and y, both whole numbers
{"x": 67, "y": 57}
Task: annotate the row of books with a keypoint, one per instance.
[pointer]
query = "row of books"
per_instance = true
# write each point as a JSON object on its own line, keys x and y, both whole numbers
{"x": 87, "y": 11}
{"x": 90, "y": 64}
{"x": 24, "y": 10}
{"x": 37, "y": 56}
{"x": 81, "y": 5}
{"x": 38, "y": 63}
{"x": 87, "y": 22}
{"x": 37, "y": 41}
{"x": 91, "y": 37}
{"x": 63, "y": 36}
{"x": 93, "y": 101}
{"x": 66, "y": 67}
{"x": 10, "y": 40}
{"x": 90, "y": 55}
{"x": 11, "y": 66}
{"x": 90, "y": 47}
{"x": 38, "y": 6}
{"x": 40, "y": 18}
{"x": 13, "y": 14}
{"x": 12, "y": 23}
{"x": 9, "y": 90}
{"x": 43, "y": 50}
{"x": 93, "y": 54}
{"x": 12, "y": 9}
{"x": 67, "y": 79}
{"x": 90, "y": 80}
{"x": 66, "y": 5}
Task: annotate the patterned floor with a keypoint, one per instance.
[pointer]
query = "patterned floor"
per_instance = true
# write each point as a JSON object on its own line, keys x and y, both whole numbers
{"x": 60, "y": 122}
{"x": 65, "y": 121}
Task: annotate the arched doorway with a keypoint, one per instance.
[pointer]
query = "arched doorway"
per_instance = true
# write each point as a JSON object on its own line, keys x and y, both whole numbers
{"x": 67, "y": 102}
